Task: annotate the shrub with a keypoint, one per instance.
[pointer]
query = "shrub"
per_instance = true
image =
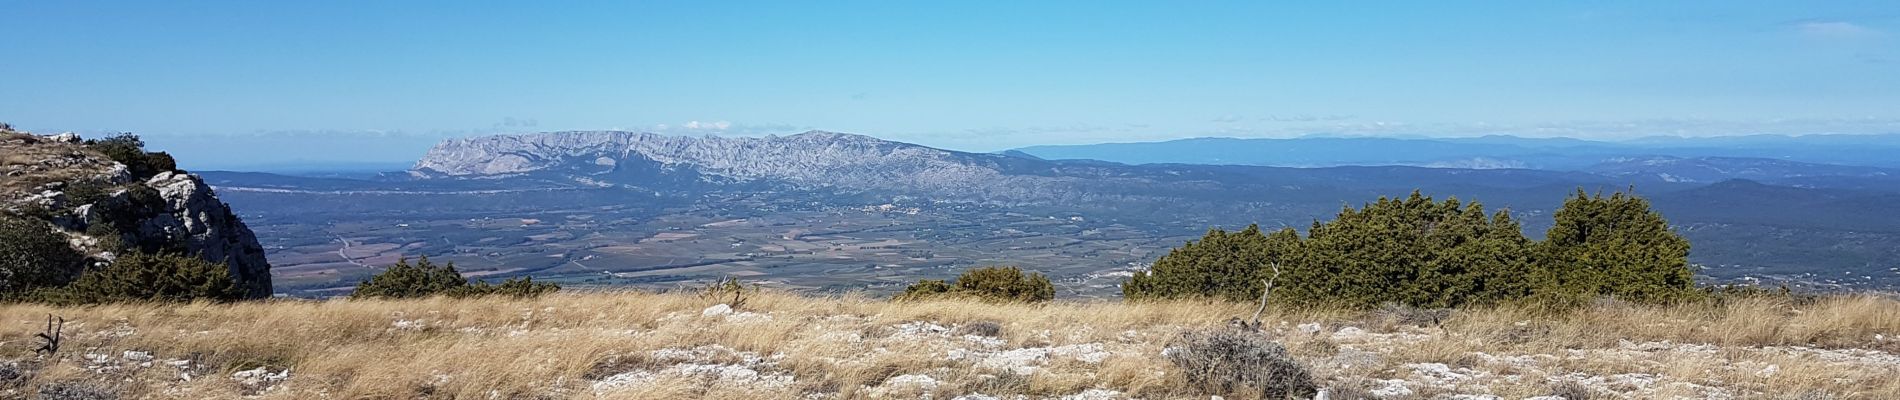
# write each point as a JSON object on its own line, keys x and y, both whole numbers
{"x": 980, "y": 328}
{"x": 128, "y": 149}
{"x": 729, "y": 291}
{"x": 137, "y": 277}
{"x": 34, "y": 256}
{"x": 992, "y": 284}
{"x": 520, "y": 288}
{"x": 1238, "y": 363}
{"x": 77, "y": 390}
{"x": 425, "y": 279}
{"x": 403, "y": 280}
{"x": 925, "y": 289}
{"x": 1615, "y": 246}
{"x": 1222, "y": 265}
{"x": 1423, "y": 253}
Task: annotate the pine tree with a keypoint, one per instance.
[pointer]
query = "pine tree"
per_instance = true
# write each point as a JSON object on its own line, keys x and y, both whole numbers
{"x": 1617, "y": 246}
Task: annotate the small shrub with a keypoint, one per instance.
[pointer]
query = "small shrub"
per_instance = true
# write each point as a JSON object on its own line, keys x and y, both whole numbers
{"x": 14, "y": 375}
{"x": 980, "y": 328}
{"x": 1231, "y": 362}
{"x": 992, "y": 284}
{"x": 33, "y": 256}
{"x": 520, "y": 288}
{"x": 1571, "y": 390}
{"x": 425, "y": 279}
{"x": 925, "y": 289}
{"x": 138, "y": 277}
{"x": 403, "y": 281}
{"x": 77, "y": 390}
{"x": 128, "y": 149}
{"x": 728, "y": 291}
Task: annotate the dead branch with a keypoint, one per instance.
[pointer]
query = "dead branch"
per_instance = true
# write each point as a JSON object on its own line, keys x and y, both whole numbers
{"x": 1264, "y": 293}
{"x": 51, "y": 337}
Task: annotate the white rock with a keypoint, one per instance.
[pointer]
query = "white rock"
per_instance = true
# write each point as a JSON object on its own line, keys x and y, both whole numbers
{"x": 1391, "y": 388}
{"x": 1094, "y": 394}
{"x": 1309, "y": 328}
{"x": 912, "y": 381}
{"x": 717, "y": 310}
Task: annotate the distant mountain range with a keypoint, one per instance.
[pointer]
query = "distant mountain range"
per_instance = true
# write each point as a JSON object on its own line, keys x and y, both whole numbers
{"x": 1483, "y": 152}
{"x": 1791, "y": 217}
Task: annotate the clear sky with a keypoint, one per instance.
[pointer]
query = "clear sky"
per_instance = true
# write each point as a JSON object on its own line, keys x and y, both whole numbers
{"x": 380, "y": 80}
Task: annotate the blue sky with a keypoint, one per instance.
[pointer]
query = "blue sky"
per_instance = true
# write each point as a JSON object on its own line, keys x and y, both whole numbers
{"x": 379, "y": 81}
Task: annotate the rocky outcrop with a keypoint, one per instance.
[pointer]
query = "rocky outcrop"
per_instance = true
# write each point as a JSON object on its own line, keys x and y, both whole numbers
{"x": 93, "y": 198}
{"x": 193, "y": 216}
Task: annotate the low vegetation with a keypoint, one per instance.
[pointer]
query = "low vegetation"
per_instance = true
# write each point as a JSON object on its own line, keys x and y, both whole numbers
{"x": 992, "y": 284}
{"x": 128, "y": 149}
{"x": 427, "y": 279}
{"x": 144, "y": 277}
{"x": 661, "y": 346}
{"x": 1426, "y": 253}
{"x": 33, "y": 256}
{"x": 1240, "y": 363}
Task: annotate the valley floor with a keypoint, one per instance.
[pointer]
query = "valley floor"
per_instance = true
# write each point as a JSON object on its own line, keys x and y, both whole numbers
{"x": 778, "y": 345}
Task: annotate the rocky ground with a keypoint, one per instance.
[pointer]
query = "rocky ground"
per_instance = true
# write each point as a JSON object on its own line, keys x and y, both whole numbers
{"x": 632, "y": 345}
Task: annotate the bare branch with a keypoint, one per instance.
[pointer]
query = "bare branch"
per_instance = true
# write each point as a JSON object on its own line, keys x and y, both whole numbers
{"x": 1264, "y": 293}
{"x": 51, "y": 336}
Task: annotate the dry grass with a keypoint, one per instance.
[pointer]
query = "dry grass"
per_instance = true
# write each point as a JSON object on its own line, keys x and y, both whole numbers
{"x": 27, "y": 162}
{"x": 792, "y": 346}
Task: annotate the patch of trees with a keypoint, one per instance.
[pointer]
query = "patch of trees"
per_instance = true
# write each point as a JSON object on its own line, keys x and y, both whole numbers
{"x": 1420, "y": 252}
{"x": 1000, "y": 284}
{"x": 427, "y": 279}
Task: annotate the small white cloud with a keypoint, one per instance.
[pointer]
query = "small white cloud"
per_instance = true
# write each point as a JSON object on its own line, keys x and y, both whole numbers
{"x": 1835, "y": 30}
{"x": 717, "y": 126}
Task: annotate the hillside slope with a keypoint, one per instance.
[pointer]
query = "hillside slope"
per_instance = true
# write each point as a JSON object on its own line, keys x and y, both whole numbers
{"x": 779, "y": 346}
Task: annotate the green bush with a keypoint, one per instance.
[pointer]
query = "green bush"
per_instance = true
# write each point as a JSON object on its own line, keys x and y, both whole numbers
{"x": 128, "y": 149}
{"x": 993, "y": 284}
{"x": 1425, "y": 253}
{"x": 141, "y": 277}
{"x": 521, "y": 288}
{"x": 425, "y": 279}
{"x": 1615, "y": 246}
{"x": 34, "y": 256}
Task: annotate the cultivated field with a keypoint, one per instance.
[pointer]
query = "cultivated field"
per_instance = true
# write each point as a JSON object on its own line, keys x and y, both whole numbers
{"x": 779, "y": 345}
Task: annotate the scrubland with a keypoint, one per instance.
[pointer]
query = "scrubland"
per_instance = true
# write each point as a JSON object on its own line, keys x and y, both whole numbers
{"x": 782, "y": 345}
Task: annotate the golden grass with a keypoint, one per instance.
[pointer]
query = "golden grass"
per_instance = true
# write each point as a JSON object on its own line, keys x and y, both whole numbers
{"x": 852, "y": 346}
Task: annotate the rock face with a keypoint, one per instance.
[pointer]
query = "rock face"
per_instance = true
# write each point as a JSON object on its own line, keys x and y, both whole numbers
{"x": 92, "y": 197}
{"x": 194, "y": 216}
